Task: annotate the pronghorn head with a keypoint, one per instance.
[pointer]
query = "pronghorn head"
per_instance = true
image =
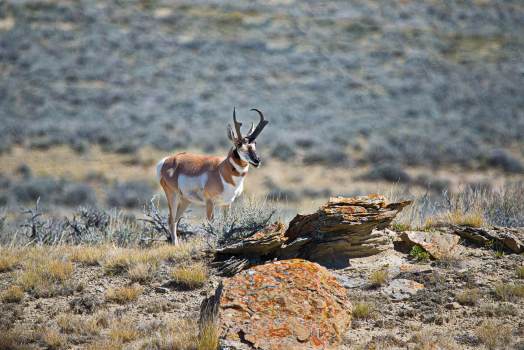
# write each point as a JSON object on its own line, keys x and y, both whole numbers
{"x": 246, "y": 145}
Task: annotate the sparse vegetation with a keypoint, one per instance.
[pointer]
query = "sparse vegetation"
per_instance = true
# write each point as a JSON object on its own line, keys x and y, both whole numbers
{"x": 123, "y": 331}
{"x": 468, "y": 297}
{"x": 508, "y": 291}
{"x": 378, "y": 278}
{"x": 142, "y": 272}
{"x": 190, "y": 277}
{"x": 362, "y": 310}
{"x": 494, "y": 334}
{"x": 82, "y": 325}
{"x": 13, "y": 294}
{"x": 520, "y": 272}
{"x": 497, "y": 309}
{"x": 124, "y": 295}
{"x": 88, "y": 255}
{"x": 419, "y": 254}
{"x": 53, "y": 339}
{"x": 429, "y": 339}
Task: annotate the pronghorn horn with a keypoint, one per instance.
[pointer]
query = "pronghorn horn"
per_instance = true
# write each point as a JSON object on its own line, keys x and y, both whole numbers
{"x": 237, "y": 125}
{"x": 261, "y": 125}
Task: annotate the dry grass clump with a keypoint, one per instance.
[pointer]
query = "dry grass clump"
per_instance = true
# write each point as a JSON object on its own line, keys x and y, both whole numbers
{"x": 142, "y": 272}
{"x": 362, "y": 310}
{"x": 208, "y": 338}
{"x": 8, "y": 260}
{"x": 16, "y": 338}
{"x": 42, "y": 276}
{"x": 468, "y": 297}
{"x": 473, "y": 218}
{"x": 88, "y": 255}
{"x": 429, "y": 339}
{"x": 53, "y": 339}
{"x": 124, "y": 295}
{"x": 106, "y": 344}
{"x": 509, "y": 292}
{"x": 123, "y": 331}
{"x": 378, "y": 277}
{"x": 78, "y": 324}
{"x": 498, "y": 310}
{"x": 494, "y": 335}
{"x": 13, "y": 294}
{"x": 191, "y": 276}
{"x": 174, "y": 334}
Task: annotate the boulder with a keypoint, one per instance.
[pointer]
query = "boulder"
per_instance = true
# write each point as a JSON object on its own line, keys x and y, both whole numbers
{"x": 511, "y": 239}
{"x": 343, "y": 228}
{"x": 288, "y": 304}
{"x": 438, "y": 245}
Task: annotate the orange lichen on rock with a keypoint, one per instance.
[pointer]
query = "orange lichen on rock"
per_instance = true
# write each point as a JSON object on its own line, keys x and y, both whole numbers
{"x": 289, "y": 304}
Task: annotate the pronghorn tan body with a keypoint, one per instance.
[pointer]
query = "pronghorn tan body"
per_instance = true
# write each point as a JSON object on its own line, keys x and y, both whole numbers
{"x": 208, "y": 180}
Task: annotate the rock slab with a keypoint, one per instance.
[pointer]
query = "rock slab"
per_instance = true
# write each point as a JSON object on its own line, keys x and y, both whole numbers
{"x": 439, "y": 245}
{"x": 506, "y": 237}
{"x": 343, "y": 228}
{"x": 288, "y": 304}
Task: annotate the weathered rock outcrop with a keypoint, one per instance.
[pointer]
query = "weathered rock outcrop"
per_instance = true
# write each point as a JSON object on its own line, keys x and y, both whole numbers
{"x": 343, "y": 228}
{"x": 505, "y": 237}
{"x": 439, "y": 245}
{"x": 288, "y": 304}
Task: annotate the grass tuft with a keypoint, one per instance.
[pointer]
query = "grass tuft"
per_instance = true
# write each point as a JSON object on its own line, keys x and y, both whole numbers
{"x": 362, "y": 310}
{"x": 8, "y": 260}
{"x": 124, "y": 295}
{"x": 520, "y": 272}
{"x": 208, "y": 338}
{"x": 468, "y": 297}
{"x": 494, "y": 335}
{"x": 142, "y": 272}
{"x": 88, "y": 255}
{"x": 509, "y": 292}
{"x": 123, "y": 331}
{"x": 53, "y": 339}
{"x": 190, "y": 277}
{"x": 13, "y": 294}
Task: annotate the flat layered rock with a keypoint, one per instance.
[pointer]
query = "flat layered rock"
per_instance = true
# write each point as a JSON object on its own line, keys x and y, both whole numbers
{"x": 439, "y": 245}
{"x": 288, "y": 304}
{"x": 343, "y": 228}
{"x": 511, "y": 239}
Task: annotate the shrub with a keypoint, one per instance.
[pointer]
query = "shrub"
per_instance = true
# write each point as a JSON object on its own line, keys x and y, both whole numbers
{"x": 124, "y": 295}
{"x": 77, "y": 194}
{"x": 419, "y": 254}
{"x": 500, "y": 158}
{"x": 387, "y": 172}
{"x": 190, "y": 277}
{"x": 498, "y": 310}
{"x": 132, "y": 194}
{"x": 246, "y": 217}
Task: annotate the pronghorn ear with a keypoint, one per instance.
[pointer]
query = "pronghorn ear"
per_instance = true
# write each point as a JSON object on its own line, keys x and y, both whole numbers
{"x": 230, "y": 133}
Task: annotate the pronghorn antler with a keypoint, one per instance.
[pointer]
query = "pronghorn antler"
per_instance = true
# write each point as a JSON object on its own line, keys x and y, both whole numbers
{"x": 237, "y": 125}
{"x": 261, "y": 125}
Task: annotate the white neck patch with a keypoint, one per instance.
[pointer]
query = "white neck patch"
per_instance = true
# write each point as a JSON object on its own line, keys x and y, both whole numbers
{"x": 237, "y": 167}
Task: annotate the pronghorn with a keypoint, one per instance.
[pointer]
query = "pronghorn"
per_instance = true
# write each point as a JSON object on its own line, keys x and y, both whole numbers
{"x": 208, "y": 180}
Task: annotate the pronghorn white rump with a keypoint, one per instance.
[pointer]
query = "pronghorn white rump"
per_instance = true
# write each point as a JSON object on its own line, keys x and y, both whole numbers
{"x": 208, "y": 180}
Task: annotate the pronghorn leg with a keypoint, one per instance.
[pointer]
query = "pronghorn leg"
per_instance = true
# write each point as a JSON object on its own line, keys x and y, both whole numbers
{"x": 171, "y": 202}
{"x": 209, "y": 209}
{"x": 181, "y": 208}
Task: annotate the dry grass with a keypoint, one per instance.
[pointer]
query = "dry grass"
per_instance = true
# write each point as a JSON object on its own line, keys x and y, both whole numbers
{"x": 88, "y": 255}
{"x": 142, "y": 272}
{"x": 81, "y": 325}
{"x": 191, "y": 276}
{"x": 124, "y": 295}
{"x": 13, "y": 294}
{"x": 429, "y": 339}
{"x": 473, "y": 218}
{"x": 175, "y": 334}
{"x": 53, "y": 339}
{"x": 520, "y": 272}
{"x": 509, "y": 292}
{"x": 208, "y": 338}
{"x": 44, "y": 275}
{"x": 468, "y": 297}
{"x": 494, "y": 335}
{"x": 123, "y": 331}
{"x": 106, "y": 344}
{"x": 498, "y": 310}
{"x": 16, "y": 338}
{"x": 378, "y": 278}
{"x": 8, "y": 260}
{"x": 362, "y": 310}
